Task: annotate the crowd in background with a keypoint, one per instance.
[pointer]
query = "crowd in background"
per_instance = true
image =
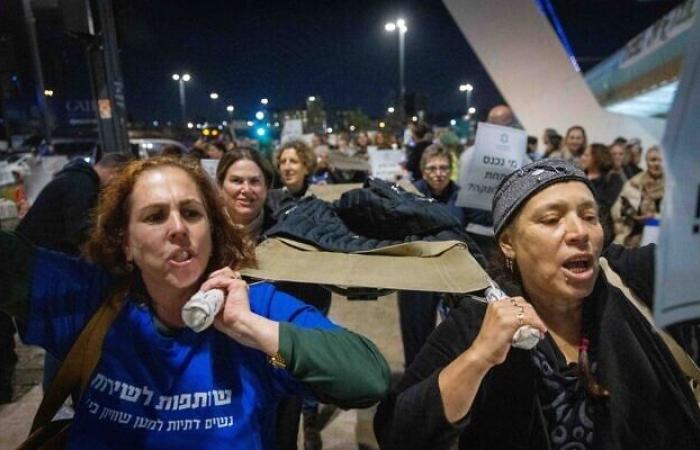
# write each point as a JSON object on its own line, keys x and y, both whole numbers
{"x": 628, "y": 183}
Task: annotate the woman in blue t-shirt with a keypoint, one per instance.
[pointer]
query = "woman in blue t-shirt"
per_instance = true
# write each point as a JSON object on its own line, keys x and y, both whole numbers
{"x": 160, "y": 229}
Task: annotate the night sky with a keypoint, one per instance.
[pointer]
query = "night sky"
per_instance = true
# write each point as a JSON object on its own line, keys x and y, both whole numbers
{"x": 338, "y": 50}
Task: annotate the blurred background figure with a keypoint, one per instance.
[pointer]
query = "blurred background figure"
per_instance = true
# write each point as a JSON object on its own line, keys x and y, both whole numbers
{"x": 597, "y": 163}
{"x": 639, "y": 200}
{"x": 324, "y": 173}
{"x": 634, "y": 149}
{"x": 575, "y": 142}
{"x": 421, "y": 134}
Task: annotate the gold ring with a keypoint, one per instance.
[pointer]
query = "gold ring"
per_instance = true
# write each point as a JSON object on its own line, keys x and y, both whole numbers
{"x": 521, "y": 314}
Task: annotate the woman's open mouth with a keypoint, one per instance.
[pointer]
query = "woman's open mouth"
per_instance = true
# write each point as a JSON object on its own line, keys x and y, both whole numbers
{"x": 181, "y": 257}
{"x": 579, "y": 268}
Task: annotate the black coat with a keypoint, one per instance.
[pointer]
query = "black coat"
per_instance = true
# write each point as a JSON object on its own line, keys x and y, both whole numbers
{"x": 378, "y": 215}
{"x": 59, "y": 219}
{"x": 650, "y": 404}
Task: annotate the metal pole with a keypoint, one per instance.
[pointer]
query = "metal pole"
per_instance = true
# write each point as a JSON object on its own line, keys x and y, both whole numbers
{"x": 108, "y": 83}
{"x": 38, "y": 74}
{"x": 183, "y": 105}
{"x": 402, "y": 87}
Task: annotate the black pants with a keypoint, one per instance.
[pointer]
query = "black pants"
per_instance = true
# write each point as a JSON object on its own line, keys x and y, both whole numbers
{"x": 417, "y": 315}
{"x": 8, "y": 357}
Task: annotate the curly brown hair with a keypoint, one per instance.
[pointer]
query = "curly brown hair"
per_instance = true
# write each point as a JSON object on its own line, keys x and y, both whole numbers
{"x": 304, "y": 152}
{"x": 105, "y": 244}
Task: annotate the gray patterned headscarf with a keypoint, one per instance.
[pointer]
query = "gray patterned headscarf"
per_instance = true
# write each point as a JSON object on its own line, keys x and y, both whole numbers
{"x": 525, "y": 182}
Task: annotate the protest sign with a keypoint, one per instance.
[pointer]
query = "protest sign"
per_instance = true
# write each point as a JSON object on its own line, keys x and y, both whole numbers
{"x": 677, "y": 283}
{"x": 292, "y": 129}
{"x": 497, "y": 152}
{"x": 42, "y": 171}
{"x": 385, "y": 164}
{"x": 209, "y": 166}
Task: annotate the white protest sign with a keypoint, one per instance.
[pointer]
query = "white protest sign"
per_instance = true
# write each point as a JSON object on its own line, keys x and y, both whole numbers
{"x": 497, "y": 152}
{"x": 6, "y": 176}
{"x": 677, "y": 283}
{"x": 292, "y": 129}
{"x": 209, "y": 166}
{"x": 385, "y": 164}
{"x": 43, "y": 170}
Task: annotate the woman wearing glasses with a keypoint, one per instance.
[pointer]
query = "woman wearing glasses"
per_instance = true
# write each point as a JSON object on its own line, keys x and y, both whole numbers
{"x": 417, "y": 310}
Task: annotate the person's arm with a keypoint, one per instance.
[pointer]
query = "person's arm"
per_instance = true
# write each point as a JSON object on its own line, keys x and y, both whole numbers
{"x": 636, "y": 267}
{"x": 433, "y": 403}
{"x": 339, "y": 366}
{"x": 53, "y": 294}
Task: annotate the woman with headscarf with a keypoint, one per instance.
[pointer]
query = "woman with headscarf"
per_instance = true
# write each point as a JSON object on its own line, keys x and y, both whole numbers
{"x": 599, "y": 377}
{"x": 639, "y": 201}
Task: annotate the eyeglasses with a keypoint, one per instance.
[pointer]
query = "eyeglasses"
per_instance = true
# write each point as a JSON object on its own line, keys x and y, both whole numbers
{"x": 431, "y": 169}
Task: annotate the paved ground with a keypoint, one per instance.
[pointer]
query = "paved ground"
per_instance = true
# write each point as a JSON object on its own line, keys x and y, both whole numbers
{"x": 376, "y": 319}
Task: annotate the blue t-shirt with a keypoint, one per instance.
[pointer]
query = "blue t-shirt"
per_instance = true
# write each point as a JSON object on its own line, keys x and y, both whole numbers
{"x": 189, "y": 390}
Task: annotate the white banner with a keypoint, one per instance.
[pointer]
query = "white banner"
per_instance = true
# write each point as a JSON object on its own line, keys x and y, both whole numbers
{"x": 497, "y": 152}
{"x": 677, "y": 287}
{"x": 385, "y": 164}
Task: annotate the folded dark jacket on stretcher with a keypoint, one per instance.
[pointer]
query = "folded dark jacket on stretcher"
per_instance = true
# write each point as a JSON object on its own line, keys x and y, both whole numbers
{"x": 378, "y": 215}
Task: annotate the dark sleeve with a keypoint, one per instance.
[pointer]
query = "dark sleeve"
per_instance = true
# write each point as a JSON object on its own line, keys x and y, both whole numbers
{"x": 636, "y": 268}
{"x": 53, "y": 294}
{"x": 413, "y": 416}
{"x": 478, "y": 216}
{"x": 76, "y": 211}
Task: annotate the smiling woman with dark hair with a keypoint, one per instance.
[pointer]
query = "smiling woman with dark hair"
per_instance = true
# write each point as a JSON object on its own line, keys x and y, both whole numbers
{"x": 160, "y": 229}
{"x": 600, "y": 376}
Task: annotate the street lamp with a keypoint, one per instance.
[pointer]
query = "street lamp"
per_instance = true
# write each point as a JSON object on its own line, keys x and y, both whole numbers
{"x": 399, "y": 25}
{"x": 214, "y": 96}
{"x": 390, "y": 110}
{"x": 468, "y": 88}
{"x": 471, "y": 110}
{"x": 264, "y": 101}
{"x": 260, "y": 115}
{"x": 312, "y": 98}
{"x": 230, "y": 110}
{"x": 182, "y": 79}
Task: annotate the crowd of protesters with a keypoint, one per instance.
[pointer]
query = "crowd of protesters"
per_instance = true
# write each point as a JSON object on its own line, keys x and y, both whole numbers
{"x": 623, "y": 186}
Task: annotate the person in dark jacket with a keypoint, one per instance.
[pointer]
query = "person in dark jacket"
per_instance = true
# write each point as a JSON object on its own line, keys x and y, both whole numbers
{"x": 421, "y": 133}
{"x": 59, "y": 219}
{"x": 296, "y": 163}
{"x": 600, "y": 376}
{"x": 418, "y": 310}
{"x": 597, "y": 162}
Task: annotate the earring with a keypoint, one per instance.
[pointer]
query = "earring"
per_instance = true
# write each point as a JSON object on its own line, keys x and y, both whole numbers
{"x": 129, "y": 266}
{"x": 509, "y": 264}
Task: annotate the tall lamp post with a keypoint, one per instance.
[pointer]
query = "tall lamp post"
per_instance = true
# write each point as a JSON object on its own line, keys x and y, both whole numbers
{"x": 401, "y": 28}
{"x": 468, "y": 88}
{"x": 182, "y": 79}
